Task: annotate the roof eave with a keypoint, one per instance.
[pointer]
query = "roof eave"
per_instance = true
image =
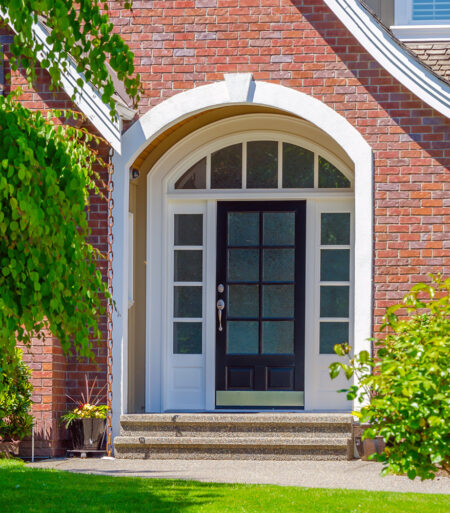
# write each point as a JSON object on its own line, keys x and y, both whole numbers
{"x": 87, "y": 98}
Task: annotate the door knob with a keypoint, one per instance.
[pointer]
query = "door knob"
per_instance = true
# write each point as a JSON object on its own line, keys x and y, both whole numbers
{"x": 220, "y": 306}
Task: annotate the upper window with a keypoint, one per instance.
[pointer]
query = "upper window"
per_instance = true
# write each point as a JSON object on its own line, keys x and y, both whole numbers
{"x": 263, "y": 164}
{"x": 430, "y": 10}
{"x": 422, "y": 19}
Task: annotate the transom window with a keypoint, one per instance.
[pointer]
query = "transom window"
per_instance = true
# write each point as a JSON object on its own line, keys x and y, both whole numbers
{"x": 263, "y": 164}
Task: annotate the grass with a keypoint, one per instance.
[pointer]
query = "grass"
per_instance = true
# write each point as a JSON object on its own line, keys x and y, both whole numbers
{"x": 23, "y": 489}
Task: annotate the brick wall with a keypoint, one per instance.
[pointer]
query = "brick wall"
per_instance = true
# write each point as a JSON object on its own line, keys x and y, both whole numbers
{"x": 48, "y": 365}
{"x": 301, "y": 44}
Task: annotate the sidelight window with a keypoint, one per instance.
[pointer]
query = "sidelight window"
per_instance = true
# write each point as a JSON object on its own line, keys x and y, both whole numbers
{"x": 334, "y": 280}
{"x": 188, "y": 278}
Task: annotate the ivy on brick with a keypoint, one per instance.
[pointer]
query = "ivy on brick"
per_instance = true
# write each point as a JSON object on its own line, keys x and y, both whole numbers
{"x": 49, "y": 278}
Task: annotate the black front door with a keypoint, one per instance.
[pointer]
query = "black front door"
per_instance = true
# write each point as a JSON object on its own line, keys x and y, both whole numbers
{"x": 260, "y": 304}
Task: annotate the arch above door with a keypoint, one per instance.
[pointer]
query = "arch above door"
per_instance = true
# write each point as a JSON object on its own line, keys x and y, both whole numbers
{"x": 237, "y": 91}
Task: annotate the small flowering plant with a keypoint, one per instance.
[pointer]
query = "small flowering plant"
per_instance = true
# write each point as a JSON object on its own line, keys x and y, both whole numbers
{"x": 88, "y": 407}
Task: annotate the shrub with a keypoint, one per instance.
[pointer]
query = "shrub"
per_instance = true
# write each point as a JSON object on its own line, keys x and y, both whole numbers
{"x": 15, "y": 398}
{"x": 405, "y": 389}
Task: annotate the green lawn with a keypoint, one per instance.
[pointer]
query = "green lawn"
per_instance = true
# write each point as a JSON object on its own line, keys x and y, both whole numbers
{"x": 23, "y": 489}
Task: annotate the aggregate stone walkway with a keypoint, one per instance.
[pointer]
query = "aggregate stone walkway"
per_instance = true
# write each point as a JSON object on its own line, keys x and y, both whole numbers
{"x": 356, "y": 474}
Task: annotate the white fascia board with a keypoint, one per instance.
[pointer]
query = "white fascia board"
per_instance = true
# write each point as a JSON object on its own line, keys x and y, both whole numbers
{"x": 391, "y": 55}
{"x": 87, "y": 99}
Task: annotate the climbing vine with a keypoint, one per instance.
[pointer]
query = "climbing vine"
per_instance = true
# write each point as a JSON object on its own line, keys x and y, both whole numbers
{"x": 78, "y": 32}
{"x": 49, "y": 278}
{"x": 49, "y": 273}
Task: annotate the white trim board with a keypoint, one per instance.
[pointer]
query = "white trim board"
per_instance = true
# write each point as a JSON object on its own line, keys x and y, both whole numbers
{"x": 391, "y": 55}
{"x": 422, "y": 32}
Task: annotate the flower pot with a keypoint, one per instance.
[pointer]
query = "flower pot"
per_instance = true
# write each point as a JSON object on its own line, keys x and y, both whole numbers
{"x": 369, "y": 446}
{"x": 87, "y": 433}
{"x": 10, "y": 448}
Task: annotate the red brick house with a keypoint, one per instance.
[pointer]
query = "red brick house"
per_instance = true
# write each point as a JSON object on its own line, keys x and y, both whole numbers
{"x": 284, "y": 179}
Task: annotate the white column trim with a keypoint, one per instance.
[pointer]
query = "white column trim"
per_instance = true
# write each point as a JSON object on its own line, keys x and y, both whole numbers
{"x": 120, "y": 291}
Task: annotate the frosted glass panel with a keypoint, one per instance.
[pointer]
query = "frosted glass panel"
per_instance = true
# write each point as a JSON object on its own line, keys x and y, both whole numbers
{"x": 226, "y": 168}
{"x": 242, "y": 337}
{"x": 278, "y": 337}
{"x": 278, "y": 301}
{"x": 243, "y": 301}
{"x": 335, "y": 265}
{"x": 188, "y": 230}
{"x": 334, "y": 301}
{"x": 279, "y": 229}
{"x": 335, "y": 229}
{"x": 332, "y": 333}
{"x": 243, "y": 265}
{"x": 194, "y": 177}
{"x": 278, "y": 264}
{"x": 298, "y": 167}
{"x": 187, "y": 302}
{"x": 188, "y": 265}
{"x": 187, "y": 337}
{"x": 262, "y": 164}
{"x": 243, "y": 229}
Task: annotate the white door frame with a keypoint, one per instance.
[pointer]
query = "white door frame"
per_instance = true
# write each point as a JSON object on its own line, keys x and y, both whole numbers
{"x": 319, "y": 392}
{"x": 232, "y": 91}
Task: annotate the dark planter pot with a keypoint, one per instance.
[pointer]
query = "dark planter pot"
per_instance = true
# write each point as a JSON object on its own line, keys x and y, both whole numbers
{"x": 10, "y": 448}
{"x": 369, "y": 446}
{"x": 87, "y": 433}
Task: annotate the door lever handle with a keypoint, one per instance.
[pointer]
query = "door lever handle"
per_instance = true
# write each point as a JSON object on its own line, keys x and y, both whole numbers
{"x": 220, "y": 306}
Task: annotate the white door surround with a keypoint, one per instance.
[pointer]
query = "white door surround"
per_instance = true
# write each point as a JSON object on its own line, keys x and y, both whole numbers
{"x": 200, "y": 99}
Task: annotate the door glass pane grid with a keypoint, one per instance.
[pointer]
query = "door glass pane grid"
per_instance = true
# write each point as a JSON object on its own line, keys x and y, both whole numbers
{"x": 271, "y": 164}
{"x": 334, "y": 291}
{"x": 260, "y": 313}
{"x": 187, "y": 288}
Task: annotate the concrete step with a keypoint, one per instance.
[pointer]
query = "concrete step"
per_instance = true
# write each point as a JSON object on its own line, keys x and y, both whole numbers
{"x": 236, "y": 436}
{"x": 232, "y": 447}
{"x": 259, "y": 424}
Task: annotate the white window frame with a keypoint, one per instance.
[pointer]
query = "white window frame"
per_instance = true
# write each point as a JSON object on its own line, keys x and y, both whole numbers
{"x": 407, "y": 29}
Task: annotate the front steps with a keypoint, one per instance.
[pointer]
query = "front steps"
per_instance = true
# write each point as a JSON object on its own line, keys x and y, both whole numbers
{"x": 258, "y": 436}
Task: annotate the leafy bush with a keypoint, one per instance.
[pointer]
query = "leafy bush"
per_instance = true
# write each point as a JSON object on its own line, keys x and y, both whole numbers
{"x": 405, "y": 389}
{"x": 15, "y": 398}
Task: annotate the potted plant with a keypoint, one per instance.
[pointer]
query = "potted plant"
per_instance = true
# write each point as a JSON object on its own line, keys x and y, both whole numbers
{"x": 15, "y": 402}
{"x": 87, "y": 421}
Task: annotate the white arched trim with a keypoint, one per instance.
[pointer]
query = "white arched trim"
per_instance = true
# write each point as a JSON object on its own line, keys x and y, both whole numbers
{"x": 221, "y": 94}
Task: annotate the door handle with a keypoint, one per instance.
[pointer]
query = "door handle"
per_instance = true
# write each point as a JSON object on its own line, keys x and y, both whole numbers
{"x": 220, "y": 306}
